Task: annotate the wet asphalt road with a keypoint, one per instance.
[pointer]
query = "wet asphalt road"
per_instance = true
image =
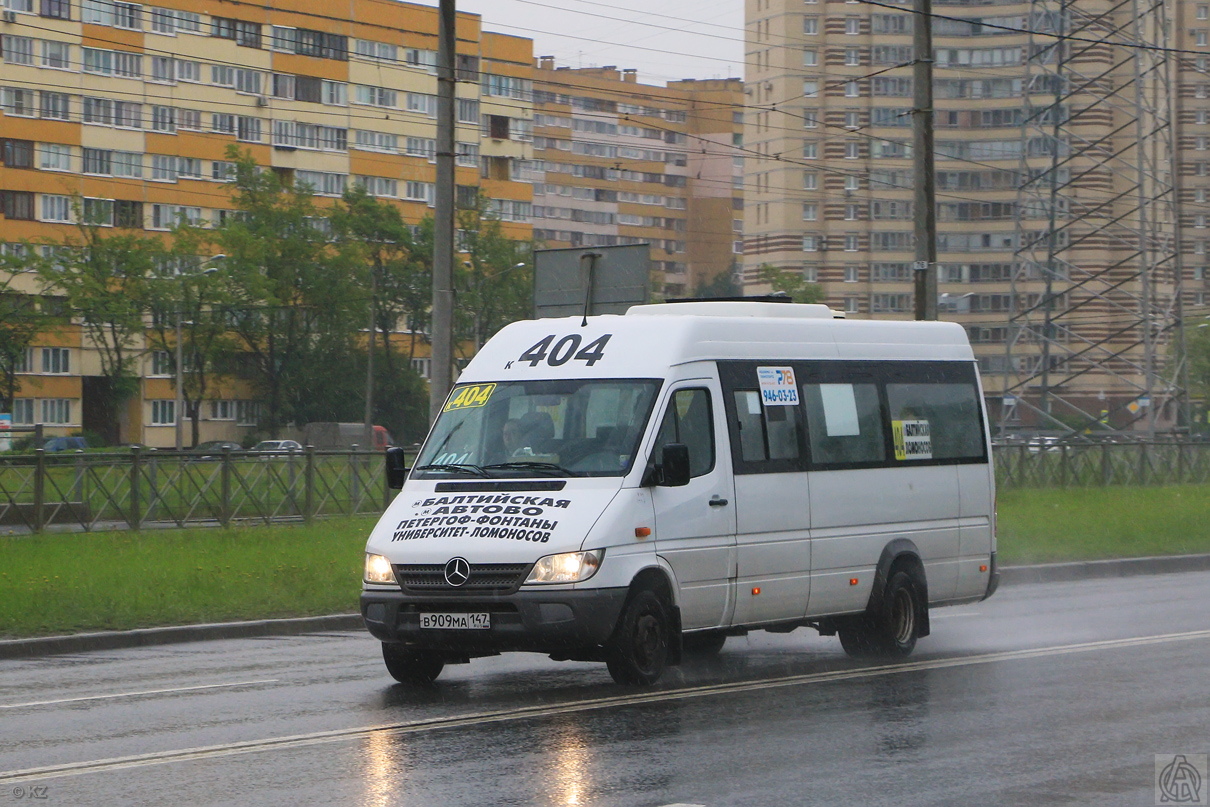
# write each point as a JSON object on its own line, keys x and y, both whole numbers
{"x": 1046, "y": 694}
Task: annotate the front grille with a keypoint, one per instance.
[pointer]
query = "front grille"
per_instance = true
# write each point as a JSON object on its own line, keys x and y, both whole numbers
{"x": 497, "y": 578}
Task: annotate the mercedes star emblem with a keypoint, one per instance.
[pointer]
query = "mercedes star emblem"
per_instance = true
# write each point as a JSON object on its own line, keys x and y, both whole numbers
{"x": 457, "y": 571}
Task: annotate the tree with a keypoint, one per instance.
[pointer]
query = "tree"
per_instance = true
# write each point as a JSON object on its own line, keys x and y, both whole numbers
{"x": 102, "y": 274}
{"x": 494, "y": 284}
{"x": 372, "y": 234}
{"x": 20, "y": 324}
{"x": 792, "y": 283}
{"x": 296, "y": 303}
{"x": 192, "y": 291}
{"x": 1197, "y": 348}
{"x": 721, "y": 285}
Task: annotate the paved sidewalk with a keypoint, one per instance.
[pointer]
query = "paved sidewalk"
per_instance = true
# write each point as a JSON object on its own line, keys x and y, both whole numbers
{"x": 111, "y": 640}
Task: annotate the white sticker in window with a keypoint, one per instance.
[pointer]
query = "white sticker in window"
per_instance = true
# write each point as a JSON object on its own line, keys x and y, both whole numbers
{"x": 913, "y": 440}
{"x": 777, "y": 386}
{"x": 839, "y": 410}
{"x": 753, "y": 401}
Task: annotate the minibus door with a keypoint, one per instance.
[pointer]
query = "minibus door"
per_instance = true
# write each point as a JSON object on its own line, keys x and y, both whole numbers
{"x": 695, "y": 522}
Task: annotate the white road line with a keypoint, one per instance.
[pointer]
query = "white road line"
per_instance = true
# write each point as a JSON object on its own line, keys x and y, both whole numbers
{"x": 136, "y": 694}
{"x": 530, "y": 712}
{"x": 951, "y": 616}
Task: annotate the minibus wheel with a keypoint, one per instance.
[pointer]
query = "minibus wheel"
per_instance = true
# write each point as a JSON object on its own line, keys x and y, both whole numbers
{"x": 637, "y": 653}
{"x": 892, "y": 632}
{"x": 409, "y": 666}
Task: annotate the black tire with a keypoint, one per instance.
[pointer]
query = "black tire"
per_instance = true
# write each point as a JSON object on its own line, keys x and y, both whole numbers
{"x": 637, "y": 653}
{"x": 892, "y": 632}
{"x": 414, "y": 667}
{"x": 704, "y": 643}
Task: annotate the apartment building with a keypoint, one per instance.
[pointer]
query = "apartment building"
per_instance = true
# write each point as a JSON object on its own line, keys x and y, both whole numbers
{"x": 1057, "y": 231}
{"x": 629, "y": 163}
{"x": 124, "y": 112}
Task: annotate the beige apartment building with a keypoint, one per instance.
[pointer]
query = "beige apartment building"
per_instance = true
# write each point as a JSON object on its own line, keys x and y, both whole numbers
{"x": 130, "y": 108}
{"x": 1059, "y": 237}
{"x": 630, "y": 163}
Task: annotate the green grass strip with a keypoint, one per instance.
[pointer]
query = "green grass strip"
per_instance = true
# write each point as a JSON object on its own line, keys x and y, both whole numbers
{"x": 1044, "y": 526}
{"x": 68, "y": 583}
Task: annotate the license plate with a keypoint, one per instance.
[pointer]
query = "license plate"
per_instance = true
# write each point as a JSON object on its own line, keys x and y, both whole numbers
{"x": 456, "y": 621}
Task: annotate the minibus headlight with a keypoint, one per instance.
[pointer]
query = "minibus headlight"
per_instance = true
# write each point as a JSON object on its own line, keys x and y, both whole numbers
{"x": 378, "y": 569}
{"x": 570, "y": 567}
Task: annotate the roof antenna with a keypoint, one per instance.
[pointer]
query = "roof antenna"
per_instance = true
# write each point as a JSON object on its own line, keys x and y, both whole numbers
{"x": 588, "y": 260}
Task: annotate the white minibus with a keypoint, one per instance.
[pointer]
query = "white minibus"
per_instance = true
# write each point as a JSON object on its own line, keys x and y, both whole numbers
{"x": 630, "y": 488}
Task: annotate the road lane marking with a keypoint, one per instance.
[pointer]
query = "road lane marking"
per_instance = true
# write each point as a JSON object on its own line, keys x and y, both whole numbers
{"x": 951, "y": 616}
{"x": 531, "y": 712}
{"x": 135, "y": 694}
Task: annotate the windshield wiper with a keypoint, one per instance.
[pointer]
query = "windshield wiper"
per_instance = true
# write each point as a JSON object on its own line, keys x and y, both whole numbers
{"x": 550, "y": 467}
{"x": 456, "y": 467}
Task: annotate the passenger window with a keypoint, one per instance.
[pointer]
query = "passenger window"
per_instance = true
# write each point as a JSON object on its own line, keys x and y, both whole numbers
{"x": 935, "y": 421}
{"x": 765, "y": 432}
{"x": 844, "y": 423}
{"x": 689, "y": 421}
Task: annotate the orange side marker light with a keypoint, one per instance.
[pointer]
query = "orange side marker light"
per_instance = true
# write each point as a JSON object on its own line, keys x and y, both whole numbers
{"x": 983, "y": 568}
{"x": 852, "y": 581}
{"x": 642, "y": 532}
{"x": 755, "y": 590}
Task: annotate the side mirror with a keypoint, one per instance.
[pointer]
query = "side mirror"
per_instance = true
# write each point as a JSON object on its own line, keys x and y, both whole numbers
{"x": 397, "y": 470}
{"x": 674, "y": 465}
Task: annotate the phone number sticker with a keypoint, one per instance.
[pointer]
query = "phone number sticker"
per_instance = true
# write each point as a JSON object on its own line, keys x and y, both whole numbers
{"x": 777, "y": 386}
{"x": 470, "y": 397}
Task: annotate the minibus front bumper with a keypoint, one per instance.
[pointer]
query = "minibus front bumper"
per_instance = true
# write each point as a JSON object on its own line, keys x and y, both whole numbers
{"x": 541, "y": 620}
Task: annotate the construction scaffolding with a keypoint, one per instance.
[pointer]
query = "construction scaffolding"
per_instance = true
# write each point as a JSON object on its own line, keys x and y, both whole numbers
{"x": 1095, "y": 333}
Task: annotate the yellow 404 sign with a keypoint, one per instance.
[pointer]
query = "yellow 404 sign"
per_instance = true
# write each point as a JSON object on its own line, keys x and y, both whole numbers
{"x": 470, "y": 397}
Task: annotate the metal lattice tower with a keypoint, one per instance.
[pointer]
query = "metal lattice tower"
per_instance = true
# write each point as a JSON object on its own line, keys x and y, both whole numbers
{"x": 1095, "y": 315}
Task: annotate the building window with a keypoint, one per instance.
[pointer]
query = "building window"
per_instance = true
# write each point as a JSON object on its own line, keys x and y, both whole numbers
{"x": 810, "y": 243}
{"x": 247, "y": 413}
{"x": 242, "y": 32}
{"x": 852, "y": 57}
{"x": 810, "y": 150}
{"x": 17, "y": 205}
{"x": 56, "y": 55}
{"x": 23, "y": 411}
{"x": 810, "y": 181}
{"x": 56, "y": 360}
{"x": 810, "y": 88}
{"x": 56, "y": 9}
{"x": 18, "y": 153}
{"x": 810, "y": 211}
{"x": 163, "y": 413}
{"x": 56, "y": 105}
{"x": 56, "y": 410}
{"x": 54, "y": 157}
{"x": 852, "y": 274}
{"x": 852, "y": 26}
{"x": 810, "y": 58}
{"x": 17, "y": 49}
{"x": 56, "y": 208}
{"x": 810, "y": 25}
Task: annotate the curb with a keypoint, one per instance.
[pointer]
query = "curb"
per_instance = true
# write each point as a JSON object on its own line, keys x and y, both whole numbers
{"x": 1093, "y": 569}
{"x": 115, "y": 640}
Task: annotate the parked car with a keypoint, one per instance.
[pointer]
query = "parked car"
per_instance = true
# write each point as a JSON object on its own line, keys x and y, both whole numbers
{"x": 56, "y": 444}
{"x": 276, "y": 446}
{"x": 213, "y": 449}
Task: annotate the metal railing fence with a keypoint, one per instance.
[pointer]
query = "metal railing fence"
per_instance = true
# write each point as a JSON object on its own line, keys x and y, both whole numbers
{"x": 1082, "y": 465}
{"x": 140, "y": 488}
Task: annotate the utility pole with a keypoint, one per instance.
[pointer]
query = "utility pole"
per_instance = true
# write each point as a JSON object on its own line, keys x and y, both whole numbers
{"x": 440, "y": 374}
{"x": 178, "y": 405}
{"x": 369, "y": 413}
{"x": 924, "y": 207}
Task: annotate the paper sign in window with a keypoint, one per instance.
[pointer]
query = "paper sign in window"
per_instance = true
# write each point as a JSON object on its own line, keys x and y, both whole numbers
{"x": 839, "y": 410}
{"x": 777, "y": 386}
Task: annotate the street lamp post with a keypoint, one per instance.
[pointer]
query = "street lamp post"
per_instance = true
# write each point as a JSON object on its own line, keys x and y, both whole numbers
{"x": 178, "y": 410}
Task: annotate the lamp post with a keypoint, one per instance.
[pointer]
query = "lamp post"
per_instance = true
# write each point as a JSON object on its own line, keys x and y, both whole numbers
{"x": 178, "y": 409}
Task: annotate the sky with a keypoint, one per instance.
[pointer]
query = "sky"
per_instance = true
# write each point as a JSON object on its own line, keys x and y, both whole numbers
{"x": 664, "y": 39}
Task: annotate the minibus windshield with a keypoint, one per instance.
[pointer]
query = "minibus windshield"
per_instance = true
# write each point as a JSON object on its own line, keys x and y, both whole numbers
{"x": 568, "y": 427}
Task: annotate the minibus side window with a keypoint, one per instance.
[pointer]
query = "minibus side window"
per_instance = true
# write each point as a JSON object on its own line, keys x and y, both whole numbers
{"x": 765, "y": 432}
{"x": 689, "y": 420}
{"x": 946, "y": 415}
{"x": 844, "y": 424}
